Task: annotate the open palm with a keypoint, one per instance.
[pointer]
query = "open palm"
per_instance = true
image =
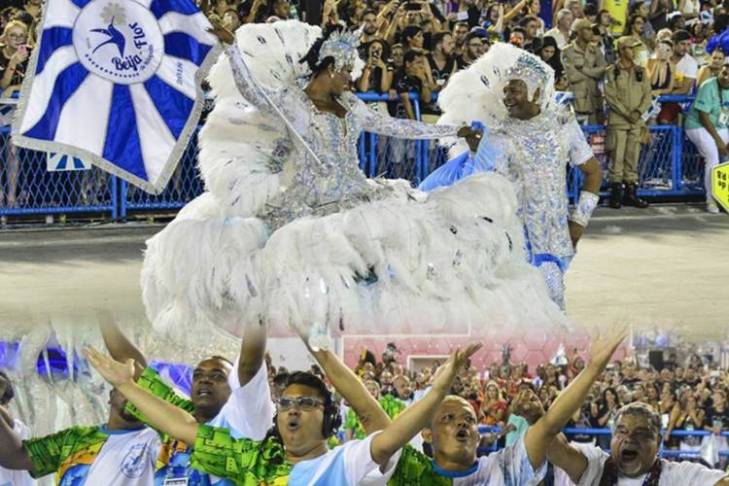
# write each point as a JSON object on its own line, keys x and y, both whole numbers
{"x": 603, "y": 347}
{"x": 447, "y": 373}
{"x": 114, "y": 372}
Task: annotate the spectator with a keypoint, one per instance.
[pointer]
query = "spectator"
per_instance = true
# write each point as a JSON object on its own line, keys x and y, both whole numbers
{"x": 584, "y": 67}
{"x": 603, "y": 26}
{"x": 634, "y": 29}
{"x": 686, "y": 67}
{"x": 460, "y": 31}
{"x": 603, "y": 413}
{"x": 369, "y": 27}
{"x": 531, "y": 25}
{"x": 716, "y": 419}
{"x": 376, "y": 75}
{"x": 575, "y": 6}
{"x": 688, "y": 416}
{"x": 474, "y": 47}
{"x": 562, "y": 29}
{"x": 442, "y": 61}
{"x": 517, "y": 37}
{"x": 412, "y": 38}
{"x": 628, "y": 94}
{"x": 660, "y": 71}
{"x": 713, "y": 68}
{"x": 494, "y": 407}
{"x": 14, "y": 52}
{"x": 659, "y": 11}
{"x": 706, "y": 127}
{"x": 643, "y": 9}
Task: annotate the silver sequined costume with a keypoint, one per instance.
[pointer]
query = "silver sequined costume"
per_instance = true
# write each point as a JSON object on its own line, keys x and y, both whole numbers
{"x": 532, "y": 153}
{"x": 292, "y": 232}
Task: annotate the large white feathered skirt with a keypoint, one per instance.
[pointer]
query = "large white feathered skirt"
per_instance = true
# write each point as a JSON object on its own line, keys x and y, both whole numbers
{"x": 450, "y": 262}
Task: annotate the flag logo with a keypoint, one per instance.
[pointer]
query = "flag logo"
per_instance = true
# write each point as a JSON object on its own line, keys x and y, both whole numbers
{"x": 116, "y": 83}
{"x": 121, "y": 44}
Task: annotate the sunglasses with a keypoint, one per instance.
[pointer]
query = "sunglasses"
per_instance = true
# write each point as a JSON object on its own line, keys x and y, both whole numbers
{"x": 303, "y": 403}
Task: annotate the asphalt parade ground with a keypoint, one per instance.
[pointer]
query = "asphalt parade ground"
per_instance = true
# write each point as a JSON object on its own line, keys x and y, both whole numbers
{"x": 666, "y": 266}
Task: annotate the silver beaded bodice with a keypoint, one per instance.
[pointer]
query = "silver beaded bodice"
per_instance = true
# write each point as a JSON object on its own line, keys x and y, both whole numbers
{"x": 330, "y": 180}
{"x": 538, "y": 151}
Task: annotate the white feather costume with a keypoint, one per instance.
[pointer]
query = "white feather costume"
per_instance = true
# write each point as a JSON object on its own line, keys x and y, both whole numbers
{"x": 533, "y": 154}
{"x": 297, "y": 235}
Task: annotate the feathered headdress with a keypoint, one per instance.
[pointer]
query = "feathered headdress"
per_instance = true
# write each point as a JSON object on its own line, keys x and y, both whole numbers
{"x": 342, "y": 46}
{"x": 476, "y": 92}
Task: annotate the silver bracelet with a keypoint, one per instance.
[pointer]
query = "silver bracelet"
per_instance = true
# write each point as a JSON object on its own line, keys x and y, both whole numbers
{"x": 585, "y": 206}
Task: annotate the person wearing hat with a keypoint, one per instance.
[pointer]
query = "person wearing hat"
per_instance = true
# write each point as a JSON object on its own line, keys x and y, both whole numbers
{"x": 584, "y": 66}
{"x": 628, "y": 95}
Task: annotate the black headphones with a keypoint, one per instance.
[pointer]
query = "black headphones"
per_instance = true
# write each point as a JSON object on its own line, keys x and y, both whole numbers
{"x": 332, "y": 420}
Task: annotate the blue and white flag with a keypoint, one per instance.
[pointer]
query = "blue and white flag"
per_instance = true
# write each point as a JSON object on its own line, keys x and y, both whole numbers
{"x": 117, "y": 83}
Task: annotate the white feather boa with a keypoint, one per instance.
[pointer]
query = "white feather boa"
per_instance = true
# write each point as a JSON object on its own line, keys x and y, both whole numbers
{"x": 448, "y": 262}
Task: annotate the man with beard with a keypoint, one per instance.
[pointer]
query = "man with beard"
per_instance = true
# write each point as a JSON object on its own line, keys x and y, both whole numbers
{"x": 633, "y": 457}
{"x": 369, "y": 31}
{"x": 454, "y": 437}
{"x": 121, "y": 452}
{"x": 295, "y": 452}
{"x": 237, "y": 400}
{"x": 473, "y": 47}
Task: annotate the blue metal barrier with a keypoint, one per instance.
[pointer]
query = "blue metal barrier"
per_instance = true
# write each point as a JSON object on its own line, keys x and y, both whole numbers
{"x": 674, "y": 453}
{"x": 27, "y": 187}
{"x": 669, "y": 166}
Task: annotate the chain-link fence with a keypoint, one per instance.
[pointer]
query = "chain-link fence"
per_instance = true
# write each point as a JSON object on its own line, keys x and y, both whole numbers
{"x": 27, "y": 186}
{"x": 31, "y": 184}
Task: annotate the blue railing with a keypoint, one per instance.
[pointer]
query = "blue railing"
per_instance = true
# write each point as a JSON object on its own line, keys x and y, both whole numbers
{"x": 669, "y": 167}
{"x": 572, "y": 431}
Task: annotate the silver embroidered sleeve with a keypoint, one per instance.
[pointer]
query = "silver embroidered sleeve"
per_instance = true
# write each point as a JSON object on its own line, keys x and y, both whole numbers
{"x": 380, "y": 124}
{"x": 244, "y": 80}
{"x": 585, "y": 206}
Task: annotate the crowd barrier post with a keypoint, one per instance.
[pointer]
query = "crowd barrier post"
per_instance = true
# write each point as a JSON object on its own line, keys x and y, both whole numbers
{"x": 677, "y": 162}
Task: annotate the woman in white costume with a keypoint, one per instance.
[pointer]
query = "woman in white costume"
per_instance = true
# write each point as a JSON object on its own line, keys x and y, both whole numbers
{"x": 291, "y": 232}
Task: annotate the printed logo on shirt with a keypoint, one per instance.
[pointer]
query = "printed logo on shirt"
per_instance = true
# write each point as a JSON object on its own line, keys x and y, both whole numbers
{"x": 133, "y": 463}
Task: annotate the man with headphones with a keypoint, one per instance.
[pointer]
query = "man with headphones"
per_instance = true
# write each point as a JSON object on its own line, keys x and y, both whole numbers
{"x": 454, "y": 437}
{"x": 233, "y": 396}
{"x": 295, "y": 451}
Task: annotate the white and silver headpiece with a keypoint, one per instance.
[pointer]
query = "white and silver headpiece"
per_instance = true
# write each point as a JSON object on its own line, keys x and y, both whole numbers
{"x": 342, "y": 46}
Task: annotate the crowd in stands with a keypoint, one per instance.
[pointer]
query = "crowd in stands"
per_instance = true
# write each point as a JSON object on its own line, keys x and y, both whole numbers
{"x": 689, "y": 396}
{"x": 615, "y": 62}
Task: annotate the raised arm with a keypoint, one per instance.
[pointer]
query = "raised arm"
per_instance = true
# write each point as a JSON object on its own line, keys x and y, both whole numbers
{"x": 252, "y": 352}
{"x": 418, "y": 416}
{"x": 244, "y": 80}
{"x": 570, "y": 460}
{"x": 397, "y": 127}
{"x": 118, "y": 345}
{"x": 540, "y": 434}
{"x": 369, "y": 412}
{"x": 161, "y": 415}
{"x": 12, "y": 453}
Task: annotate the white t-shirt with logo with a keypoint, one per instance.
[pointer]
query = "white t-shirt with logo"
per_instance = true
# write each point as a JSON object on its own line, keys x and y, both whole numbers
{"x": 127, "y": 458}
{"x": 9, "y": 477}
{"x": 672, "y": 473}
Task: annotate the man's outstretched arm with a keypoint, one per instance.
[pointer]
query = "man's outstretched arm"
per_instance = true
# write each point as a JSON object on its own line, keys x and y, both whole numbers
{"x": 369, "y": 412}
{"x": 252, "y": 352}
{"x": 119, "y": 346}
{"x": 539, "y": 435}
